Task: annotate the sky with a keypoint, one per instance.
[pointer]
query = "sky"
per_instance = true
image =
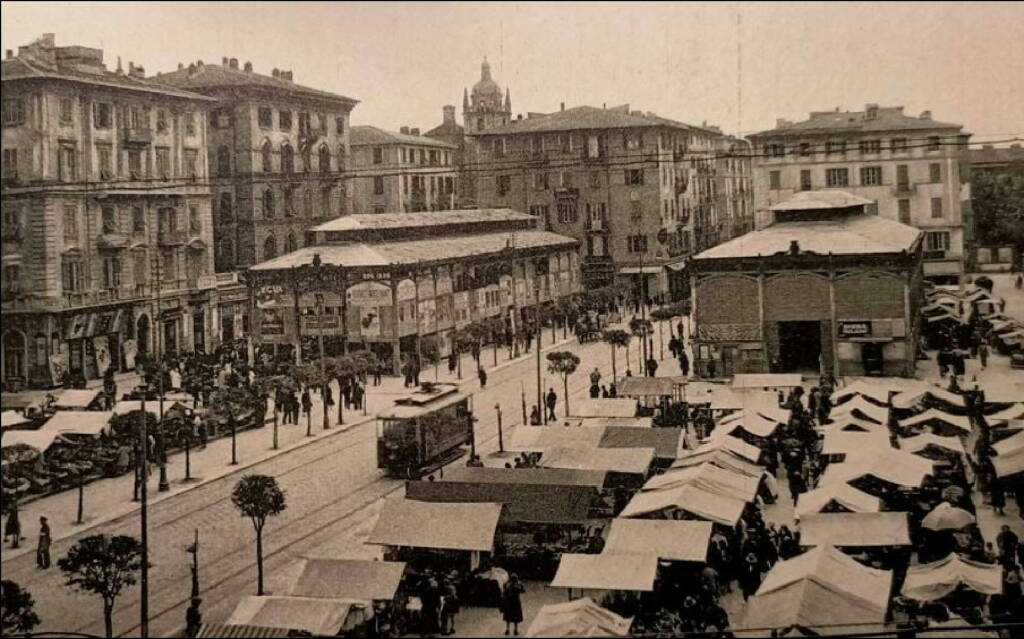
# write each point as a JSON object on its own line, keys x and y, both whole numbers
{"x": 737, "y": 65}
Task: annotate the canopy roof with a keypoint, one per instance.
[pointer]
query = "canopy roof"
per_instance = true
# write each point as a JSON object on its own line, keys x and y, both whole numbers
{"x": 74, "y": 398}
{"x": 1009, "y": 464}
{"x": 766, "y": 380}
{"x": 689, "y": 498}
{"x": 666, "y": 442}
{"x": 669, "y": 540}
{"x": 933, "y": 581}
{"x": 730, "y": 444}
{"x": 808, "y": 604}
{"x": 401, "y": 523}
{"x": 920, "y": 442}
{"x": 855, "y": 529}
{"x": 541, "y": 438}
{"x": 240, "y": 631}
{"x": 722, "y": 459}
{"x": 40, "y": 440}
{"x": 845, "y": 495}
{"x": 24, "y": 399}
{"x": 635, "y": 572}
{"x": 543, "y": 476}
{"x": 1015, "y": 411}
{"x": 860, "y": 407}
{"x": 1009, "y": 445}
{"x": 635, "y": 461}
{"x": 909, "y": 398}
{"x": 875, "y": 391}
{"x": 710, "y": 478}
{"x": 600, "y": 422}
{"x": 841, "y": 442}
{"x": 894, "y": 466}
{"x": 10, "y": 419}
{"x": 849, "y": 423}
{"x": 604, "y": 407}
{"x": 578, "y": 618}
{"x": 126, "y": 406}
{"x": 645, "y": 386}
{"x": 319, "y": 616}
{"x": 753, "y": 422}
{"x": 832, "y": 567}
{"x": 78, "y": 422}
{"x": 531, "y": 503}
{"x": 325, "y": 578}
{"x": 933, "y": 414}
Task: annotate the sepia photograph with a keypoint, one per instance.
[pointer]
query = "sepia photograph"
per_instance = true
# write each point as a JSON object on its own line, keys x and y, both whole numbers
{"x": 487, "y": 319}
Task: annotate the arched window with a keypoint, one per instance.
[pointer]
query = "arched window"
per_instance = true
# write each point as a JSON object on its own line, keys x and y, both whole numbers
{"x": 289, "y": 243}
{"x": 268, "y": 162}
{"x": 223, "y": 161}
{"x": 269, "y": 248}
{"x": 225, "y": 210}
{"x": 287, "y": 158}
{"x": 14, "y": 354}
{"x": 325, "y": 159}
{"x": 268, "y": 204}
{"x": 341, "y": 158}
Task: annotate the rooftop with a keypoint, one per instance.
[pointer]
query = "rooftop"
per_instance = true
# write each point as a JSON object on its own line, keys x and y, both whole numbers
{"x": 364, "y": 135}
{"x": 199, "y": 76}
{"x": 997, "y": 155}
{"x": 377, "y": 221}
{"x": 582, "y": 118}
{"x": 872, "y": 118}
{"x": 824, "y": 199}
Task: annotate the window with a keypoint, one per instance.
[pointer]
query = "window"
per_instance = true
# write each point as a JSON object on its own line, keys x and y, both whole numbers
{"x": 934, "y": 143}
{"x": 837, "y": 177}
{"x": 267, "y": 154}
{"x": 289, "y": 243}
{"x": 498, "y": 146}
{"x": 378, "y": 155}
{"x": 634, "y": 177}
{"x": 835, "y": 146}
{"x": 593, "y": 147}
{"x": 339, "y": 125}
{"x": 138, "y": 219}
{"x": 223, "y": 161}
{"x": 192, "y": 163}
{"x": 11, "y": 278}
{"x": 307, "y": 202}
{"x": 568, "y": 212}
{"x": 304, "y": 126}
{"x": 71, "y": 223}
{"x": 169, "y": 266}
{"x": 805, "y": 149}
{"x": 265, "y": 116}
{"x": 378, "y": 209}
{"x": 11, "y": 222}
{"x": 163, "y": 162}
{"x": 805, "y": 180}
{"x": 935, "y": 172}
{"x": 67, "y": 163}
{"x": 268, "y": 204}
{"x": 325, "y": 201}
{"x": 101, "y": 115}
{"x": 11, "y": 163}
{"x": 936, "y": 207}
{"x": 284, "y": 120}
{"x": 637, "y": 243}
{"x": 72, "y": 275}
{"x": 378, "y": 185}
{"x": 14, "y": 111}
{"x": 325, "y": 159}
{"x": 225, "y": 210}
{"x": 567, "y": 180}
{"x": 775, "y": 180}
{"x": 195, "y": 224}
{"x": 870, "y": 175}
{"x": 903, "y": 209}
{"x": 632, "y": 142}
{"x": 190, "y": 122}
{"x": 936, "y": 241}
{"x": 67, "y": 110}
{"x": 595, "y": 180}
{"x": 112, "y": 272}
{"x": 161, "y": 121}
{"x": 287, "y": 157}
{"x": 504, "y": 184}
{"x": 109, "y": 219}
{"x": 870, "y": 146}
{"x": 307, "y": 158}
{"x": 135, "y": 164}
{"x": 898, "y": 145}
{"x": 540, "y": 181}
{"x": 404, "y": 155}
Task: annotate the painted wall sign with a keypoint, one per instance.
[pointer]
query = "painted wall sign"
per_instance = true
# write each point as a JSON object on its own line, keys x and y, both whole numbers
{"x": 855, "y": 329}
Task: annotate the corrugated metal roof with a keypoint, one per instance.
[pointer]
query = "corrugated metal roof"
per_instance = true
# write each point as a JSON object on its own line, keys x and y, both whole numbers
{"x": 851, "y": 235}
{"x": 365, "y": 134}
{"x": 380, "y": 221}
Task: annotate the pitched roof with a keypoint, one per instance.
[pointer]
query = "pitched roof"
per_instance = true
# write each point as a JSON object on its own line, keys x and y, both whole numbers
{"x": 215, "y": 76}
{"x": 22, "y": 69}
{"x": 580, "y": 118}
{"x": 401, "y": 524}
{"x": 364, "y": 134}
{"x": 887, "y": 119}
{"x": 378, "y": 221}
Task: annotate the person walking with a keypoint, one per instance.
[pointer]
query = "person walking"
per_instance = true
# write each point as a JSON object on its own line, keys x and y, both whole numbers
{"x": 357, "y": 395}
{"x": 449, "y": 607}
{"x": 12, "y": 528}
{"x": 983, "y": 354}
{"x": 43, "y": 549}
{"x": 652, "y": 366}
{"x": 307, "y": 402}
{"x": 512, "y": 604}
{"x": 595, "y": 377}
{"x": 684, "y": 362}
{"x": 453, "y": 362}
{"x": 482, "y": 374}
{"x": 550, "y": 400}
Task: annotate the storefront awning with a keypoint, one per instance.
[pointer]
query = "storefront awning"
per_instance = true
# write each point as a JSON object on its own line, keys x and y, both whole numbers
{"x": 636, "y": 270}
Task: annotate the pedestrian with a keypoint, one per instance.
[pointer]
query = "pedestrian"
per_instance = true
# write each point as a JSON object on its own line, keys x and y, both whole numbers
{"x": 604, "y": 391}
{"x": 307, "y": 402}
{"x": 535, "y": 416}
{"x": 357, "y": 396}
{"x": 612, "y": 391}
{"x": 652, "y": 366}
{"x": 684, "y": 363}
{"x": 1007, "y": 542}
{"x": 750, "y": 575}
{"x": 998, "y": 498}
{"x": 12, "y": 528}
{"x": 199, "y": 427}
{"x": 550, "y": 400}
{"x": 193, "y": 619}
{"x": 43, "y": 549}
{"x": 327, "y": 395}
{"x": 449, "y": 607}
{"x": 482, "y": 374}
{"x": 595, "y": 377}
{"x": 512, "y": 604}
{"x": 595, "y": 391}
{"x": 431, "y": 599}
{"x": 983, "y": 354}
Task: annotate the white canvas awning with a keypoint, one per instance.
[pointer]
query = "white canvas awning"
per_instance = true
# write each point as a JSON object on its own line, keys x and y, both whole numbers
{"x": 710, "y": 478}
{"x": 578, "y": 618}
{"x": 841, "y": 442}
{"x": 619, "y": 460}
{"x": 723, "y": 459}
{"x": 328, "y": 578}
{"x": 894, "y": 466}
{"x": 1016, "y": 411}
{"x": 845, "y": 495}
{"x": 937, "y": 579}
{"x": 604, "y": 407}
{"x": 877, "y": 392}
{"x": 39, "y": 440}
{"x": 607, "y": 571}
{"x": 78, "y": 422}
{"x": 12, "y": 419}
{"x": 731, "y": 444}
{"x": 933, "y": 414}
{"x": 669, "y": 540}
{"x": 541, "y": 438}
{"x": 76, "y": 398}
{"x": 401, "y": 523}
{"x": 907, "y": 399}
{"x": 858, "y": 407}
{"x": 921, "y": 442}
{"x": 323, "y": 617}
{"x": 689, "y": 498}
{"x": 858, "y": 530}
{"x": 766, "y": 380}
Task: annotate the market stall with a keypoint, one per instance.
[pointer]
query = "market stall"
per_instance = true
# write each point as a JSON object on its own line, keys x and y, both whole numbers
{"x": 323, "y": 617}
{"x": 935, "y": 580}
{"x": 686, "y": 501}
{"x": 351, "y": 579}
{"x": 10, "y": 420}
{"x": 723, "y": 459}
{"x": 726, "y": 443}
{"x": 607, "y": 572}
{"x": 941, "y": 422}
{"x": 604, "y": 407}
{"x": 855, "y": 530}
{"x": 862, "y": 409}
{"x": 623, "y": 461}
{"x": 668, "y": 443}
{"x": 578, "y": 618}
{"x": 670, "y": 540}
{"x": 86, "y": 423}
{"x": 77, "y": 398}
{"x": 772, "y": 381}
{"x": 708, "y": 477}
{"x": 836, "y": 498}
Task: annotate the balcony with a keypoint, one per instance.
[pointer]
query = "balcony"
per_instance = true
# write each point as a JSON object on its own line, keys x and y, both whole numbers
{"x": 934, "y": 255}
{"x": 597, "y": 225}
{"x": 171, "y": 237}
{"x": 138, "y": 136}
{"x": 112, "y": 241}
{"x": 904, "y": 188}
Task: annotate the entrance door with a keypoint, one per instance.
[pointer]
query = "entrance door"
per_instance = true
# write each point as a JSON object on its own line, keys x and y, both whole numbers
{"x": 227, "y": 327}
{"x": 170, "y": 336}
{"x": 199, "y": 331}
{"x": 799, "y": 346}
{"x": 871, "y": 356}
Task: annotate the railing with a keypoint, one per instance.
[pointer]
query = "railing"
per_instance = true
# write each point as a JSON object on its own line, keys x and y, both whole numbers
{"x": 112, "y": 240}
{"x": 904, "y": 188}
{"x": 170, "y": 237}
{"x": 138, "y": 135}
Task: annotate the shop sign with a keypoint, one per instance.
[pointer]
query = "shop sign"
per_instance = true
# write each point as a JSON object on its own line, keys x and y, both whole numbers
{"x": 854, "y": 329}
{"x": 271, "y": 322}
{"x": 207, "y": 282}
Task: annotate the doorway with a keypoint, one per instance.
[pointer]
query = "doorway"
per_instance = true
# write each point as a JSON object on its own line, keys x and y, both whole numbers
{"x": 871, "y": 356}
{"x": 799, "y": 346}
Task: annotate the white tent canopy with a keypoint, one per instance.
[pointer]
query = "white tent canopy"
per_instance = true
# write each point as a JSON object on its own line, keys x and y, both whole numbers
{"x": 849, "y": 423}
{"x": 877, "y": 392}
{"x": 710, "y": 478}
{"x": 37, "y": 439}
{"x": 578, "y": 618}
{"x": 604, "y": 407}
{"x": 1016, "y": 411}
{"x": 669, "y": 540}
{"x": 894, "y": 466}
{"x": 401, "y": 523}
{"x": 766, "y": 380}
{"x": 841, "y": 442}
{"x": 78, "y": 422}
{"x": 731, "y": 444}
{"x": 620, "y": 460}
{"x": 862, "y": 408}
{"x": 937, "y": 579}
{"x": 933, "y": 414}
{"x": 843, "y": 494}
{"x": 634, "y": 572}
{"x": 722, "y": 459}
{"x": 907, "y": 399}
{"x": 689, "y": 498}
{"x": 323, "y": 617}
{"x": 855, "y": 529}
{"x": 10, "y": 419}
{"x": 918, "y": 443}
{"x": 75, "y": 398}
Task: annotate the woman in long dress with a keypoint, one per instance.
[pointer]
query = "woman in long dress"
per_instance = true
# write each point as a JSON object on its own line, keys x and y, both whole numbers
{"x": 512, "y": 605}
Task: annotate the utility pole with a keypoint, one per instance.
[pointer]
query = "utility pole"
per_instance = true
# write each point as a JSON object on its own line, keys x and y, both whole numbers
{"x": 540, "y": 390}
{"x": 501, "y": 440}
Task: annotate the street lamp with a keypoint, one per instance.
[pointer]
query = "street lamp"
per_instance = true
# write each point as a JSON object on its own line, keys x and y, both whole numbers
{"x": 164, "y": 484}
{"x": 501, "y": 441}
{"x": 318, "y": 310}
{"x": 193, "y": 549}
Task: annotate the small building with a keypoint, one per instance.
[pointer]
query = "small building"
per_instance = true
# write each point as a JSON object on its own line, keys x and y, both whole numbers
{"x": 826, "y": 287}
{"x": 384, "y": 281}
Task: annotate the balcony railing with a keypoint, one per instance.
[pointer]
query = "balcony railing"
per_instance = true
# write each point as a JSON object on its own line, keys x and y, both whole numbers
{"x": 112, "y": 241}
{"x": 138, "y": 135}
{"x": 170, "y": 237}
{"x": 904, "y": 188}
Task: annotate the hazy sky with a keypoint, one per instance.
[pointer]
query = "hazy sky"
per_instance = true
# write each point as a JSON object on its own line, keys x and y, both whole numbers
{"x": 403, "y": 61}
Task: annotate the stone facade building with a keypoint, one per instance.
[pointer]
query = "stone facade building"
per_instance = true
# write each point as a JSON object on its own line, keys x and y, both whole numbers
{"x": 400, "y": 171}
{"x": 913, "y": 168}
{"x": 107, "y": 229}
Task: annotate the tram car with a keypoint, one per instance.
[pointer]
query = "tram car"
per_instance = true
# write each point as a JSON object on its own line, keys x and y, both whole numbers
{"x": 424, "y": 431}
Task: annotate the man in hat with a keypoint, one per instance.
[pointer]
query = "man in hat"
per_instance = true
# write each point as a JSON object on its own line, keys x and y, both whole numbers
{"x": 43, "y": 549}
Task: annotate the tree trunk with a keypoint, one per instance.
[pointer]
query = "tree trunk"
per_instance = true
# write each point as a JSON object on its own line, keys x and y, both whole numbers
{"x": 565, "y": 387}
{"x": 259, "y": 561}
{"x": 323, "y": 397}
{"x": 108, "y": 619}
{"x": 341, "y": 420}
{"x": 275, "y": 425}
{"x": 615, "y": 373}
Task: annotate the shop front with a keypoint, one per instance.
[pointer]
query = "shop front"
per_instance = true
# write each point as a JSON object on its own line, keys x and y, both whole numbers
{"x": 871, "y": 347}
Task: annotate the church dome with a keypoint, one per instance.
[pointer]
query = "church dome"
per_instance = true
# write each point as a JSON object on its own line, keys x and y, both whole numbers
{"x": 486, "y": 87}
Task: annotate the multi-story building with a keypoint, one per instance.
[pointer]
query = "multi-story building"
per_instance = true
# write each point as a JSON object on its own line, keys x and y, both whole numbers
{"x": 635, "y": 189}
{"x": 401, "y": 171}
{"x": 734, "y": 189}
{"x": 106, "y": 216}
{"x": 911, "y": 166}
{"x": 453, "y": 133}
{"x": 278, "y": 155}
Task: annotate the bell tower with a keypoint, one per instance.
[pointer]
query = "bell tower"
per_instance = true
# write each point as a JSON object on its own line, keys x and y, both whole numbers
{"x": 484, "y": 107}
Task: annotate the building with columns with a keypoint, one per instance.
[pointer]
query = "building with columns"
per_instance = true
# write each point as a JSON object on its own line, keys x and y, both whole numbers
{"x": 107, "y": 227}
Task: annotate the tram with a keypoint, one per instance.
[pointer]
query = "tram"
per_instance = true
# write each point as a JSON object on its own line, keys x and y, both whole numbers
{"x": 424, "y": 431}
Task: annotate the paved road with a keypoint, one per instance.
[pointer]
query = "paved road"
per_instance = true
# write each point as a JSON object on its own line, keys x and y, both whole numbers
{"x": 333, "y": 489}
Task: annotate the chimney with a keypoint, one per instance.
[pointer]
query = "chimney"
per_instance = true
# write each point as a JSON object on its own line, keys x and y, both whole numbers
{"x": 224, "y": 61}
{"x": 404, "y": 130}
{"x": 276, "y": 73}
{"x": 180, "y": 66}
{"x": 233, "y": 62}
{"x": 248, "y": 67}
{"x": 562, "y": 107}
{"x": 926, "y": 115}
{"x": 414, "y": 131}
{"x": 870, "y": 111}
{"x": 138, "y": 72}
{"x": 794, "y": 247}
{"x": 10, "y": 54}
{"x": 449, "y": 114}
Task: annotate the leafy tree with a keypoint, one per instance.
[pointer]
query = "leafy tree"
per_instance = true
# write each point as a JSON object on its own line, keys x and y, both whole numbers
{"x": 228, "y": 404}
{"x": 103, "y": 565}
{"x": 564, "y": 364}
{"x": 997, "y": 200}
{"x": 16, "y": 609}
{"x": 615, "y": 337}
{"x": 270, "y": 385}
{"x": 641, "y": 328}
{"x": 258, "y": 497}
{"x": 340, "y": 368}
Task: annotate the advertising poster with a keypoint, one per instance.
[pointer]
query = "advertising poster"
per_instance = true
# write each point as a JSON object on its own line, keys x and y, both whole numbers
{"x": 59, "y": 363}
{"x": 101, "y": 346}
{"x": 368, "y": 299}
{"x": 406, "y": 295}
{"x": 131, "y": 350}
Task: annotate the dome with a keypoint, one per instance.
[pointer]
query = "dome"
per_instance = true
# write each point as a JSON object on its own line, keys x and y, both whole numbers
{"x": 486, "y": 87}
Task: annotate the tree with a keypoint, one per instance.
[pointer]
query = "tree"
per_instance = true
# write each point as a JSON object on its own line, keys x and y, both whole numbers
{"x": 615, "y": 337}
{"x": 340, "y": 368}
{"x": 103, "y": 565}
{"x": 228, "y": 404}
{"x": 16, "y": 609}
{"x": 997, "y": 200}
{"x": 258, "y": 497}
{"x": 641, "y": 328}
{"x": 270, "y": 385}
{"x": 662, "y": 315}
{"x": 563, "y": 363}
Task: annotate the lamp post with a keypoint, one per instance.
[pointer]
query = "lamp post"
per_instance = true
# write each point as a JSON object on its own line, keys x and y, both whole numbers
{"x": 81, "y": 495}
{"x": 501, "y": 440}
{"x": 193, "y": 549}
{"x": 231, "y": 424}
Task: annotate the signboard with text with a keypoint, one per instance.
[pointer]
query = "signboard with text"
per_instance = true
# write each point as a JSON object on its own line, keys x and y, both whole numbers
{"x": 854, "y": 329}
